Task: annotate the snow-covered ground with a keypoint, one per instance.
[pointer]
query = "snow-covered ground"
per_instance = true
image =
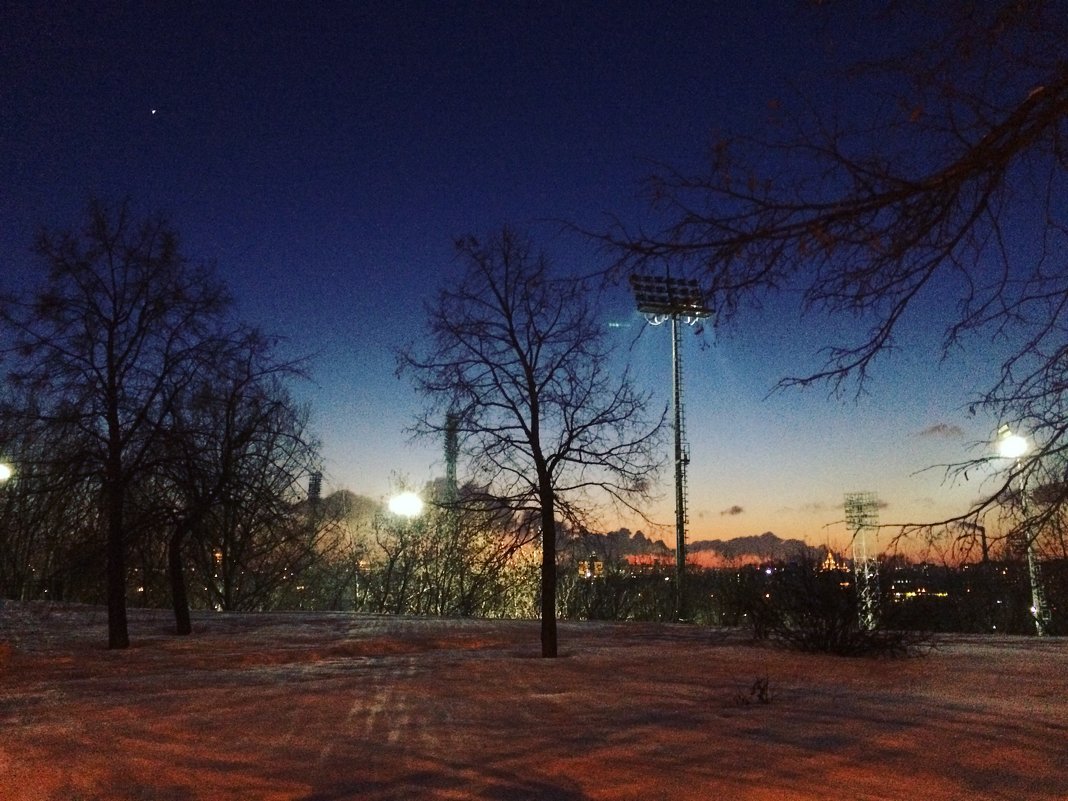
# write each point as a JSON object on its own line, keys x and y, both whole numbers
{"x": 323, "y": 707}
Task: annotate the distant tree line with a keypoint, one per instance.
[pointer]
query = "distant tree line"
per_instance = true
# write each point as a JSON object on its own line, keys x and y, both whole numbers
{"x": 809, "y": 605}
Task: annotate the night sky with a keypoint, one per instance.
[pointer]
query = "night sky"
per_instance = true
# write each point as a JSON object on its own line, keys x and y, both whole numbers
{"x": 326, "y": 155}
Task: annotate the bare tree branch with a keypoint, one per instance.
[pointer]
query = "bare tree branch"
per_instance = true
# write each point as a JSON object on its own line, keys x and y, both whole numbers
{"x": 954, "y": 187}
{"x": 519, "y": 361}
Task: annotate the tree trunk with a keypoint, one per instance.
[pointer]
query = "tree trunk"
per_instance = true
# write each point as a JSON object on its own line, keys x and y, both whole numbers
{"x": 179, "y": 592}
{"x": 118, "y": 630}
{"x": 548, "y": 576}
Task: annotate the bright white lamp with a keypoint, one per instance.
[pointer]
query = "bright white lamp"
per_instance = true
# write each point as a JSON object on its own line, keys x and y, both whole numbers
{"x": 1012, "y": 446}
{"x": 406, "y": 504}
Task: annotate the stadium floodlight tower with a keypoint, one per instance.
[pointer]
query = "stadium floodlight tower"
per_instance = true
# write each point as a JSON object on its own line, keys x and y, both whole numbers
{"x": 680, "y": 300}
{"x": 862, "y": 516}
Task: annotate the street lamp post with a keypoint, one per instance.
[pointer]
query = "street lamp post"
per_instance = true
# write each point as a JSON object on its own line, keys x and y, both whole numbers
{"x": 1014, "y": 446}
{"x": 680, "y": 300}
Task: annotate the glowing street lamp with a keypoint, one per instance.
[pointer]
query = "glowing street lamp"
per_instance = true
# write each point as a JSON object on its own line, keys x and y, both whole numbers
{"x": 6, "y": 472}
{"x": 1014, "y": 446}
{"x": 406, "y": 504}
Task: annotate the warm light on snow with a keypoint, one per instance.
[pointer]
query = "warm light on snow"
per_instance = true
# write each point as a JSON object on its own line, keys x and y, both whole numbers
{"x": 298, "y": 706}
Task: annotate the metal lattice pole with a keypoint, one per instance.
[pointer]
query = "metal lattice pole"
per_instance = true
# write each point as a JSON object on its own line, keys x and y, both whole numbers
{"x": 680, "y": 471}
{"x": 861, "y": 513}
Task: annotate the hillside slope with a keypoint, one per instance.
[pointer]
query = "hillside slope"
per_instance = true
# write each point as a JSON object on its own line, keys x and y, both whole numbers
{"x": 322, "y": 707}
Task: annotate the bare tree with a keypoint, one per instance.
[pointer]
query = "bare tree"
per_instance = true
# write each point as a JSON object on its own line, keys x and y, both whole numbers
{"x": 455, "y": 558}
{"x": 521, "y": 361}
{"x": 235, "y": 418}
{"x": 254, "y": 546}
{"x": 118, "y": 328}
{"x": 953, "y": 182}
{"x": 469, "y": 552}
{"x": 44, "y": 512}
{"x": 337, "y": 579}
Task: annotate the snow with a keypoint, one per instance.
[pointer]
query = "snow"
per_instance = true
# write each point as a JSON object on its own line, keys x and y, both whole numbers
{"x": 324, "y": 707}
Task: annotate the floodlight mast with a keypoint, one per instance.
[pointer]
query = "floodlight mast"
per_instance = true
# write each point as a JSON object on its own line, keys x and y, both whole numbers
{"x": 663, "y": 298}
{"x": 862, "y": 516}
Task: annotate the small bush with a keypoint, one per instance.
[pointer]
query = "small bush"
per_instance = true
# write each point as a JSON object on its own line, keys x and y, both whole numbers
{"x": 817, "y": 610}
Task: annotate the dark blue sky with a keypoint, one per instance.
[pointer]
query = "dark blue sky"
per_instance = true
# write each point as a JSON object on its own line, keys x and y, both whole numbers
{"x": 325, "y": 155}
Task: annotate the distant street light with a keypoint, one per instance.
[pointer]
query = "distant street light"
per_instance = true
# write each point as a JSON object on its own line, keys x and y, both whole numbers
{"x": 1014, "y": 446}
{"x": 6, "y": 472}
{"x": 406, "y": 504}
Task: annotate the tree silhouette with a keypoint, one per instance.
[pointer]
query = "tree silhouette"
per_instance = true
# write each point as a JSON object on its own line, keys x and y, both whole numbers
{"x": 231, "y": 432}
{"x": 120, "y": 326}
{"x": 517, "y": 362}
